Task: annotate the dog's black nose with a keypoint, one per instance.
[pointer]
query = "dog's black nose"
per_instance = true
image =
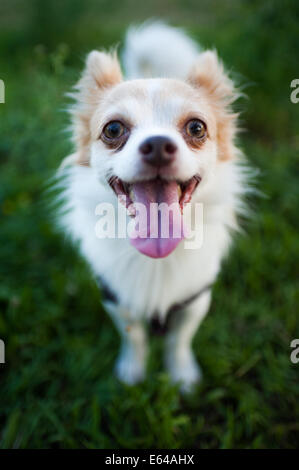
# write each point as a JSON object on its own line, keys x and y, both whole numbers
{"x": 158, "y": 151}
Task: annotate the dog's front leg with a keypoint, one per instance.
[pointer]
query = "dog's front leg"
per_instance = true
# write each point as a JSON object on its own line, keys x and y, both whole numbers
{"x": 131, "y": 362}
{"x": 179, "y": 358}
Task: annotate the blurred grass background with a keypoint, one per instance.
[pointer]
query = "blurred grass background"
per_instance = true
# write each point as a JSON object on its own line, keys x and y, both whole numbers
{"x": 57, "y": 388}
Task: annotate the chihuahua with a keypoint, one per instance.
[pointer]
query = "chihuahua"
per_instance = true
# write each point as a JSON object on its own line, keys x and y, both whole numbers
{"x": 156, "y": 149}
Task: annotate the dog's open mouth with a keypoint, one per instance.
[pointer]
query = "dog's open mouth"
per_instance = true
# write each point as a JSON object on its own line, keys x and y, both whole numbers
{"x": 157, "y": 206}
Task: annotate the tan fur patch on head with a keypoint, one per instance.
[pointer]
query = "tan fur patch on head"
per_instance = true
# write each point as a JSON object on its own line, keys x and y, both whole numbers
{"x": 102, "y": 71}
{"x": 154, "y": 101}
{"x": 209, "y": 76}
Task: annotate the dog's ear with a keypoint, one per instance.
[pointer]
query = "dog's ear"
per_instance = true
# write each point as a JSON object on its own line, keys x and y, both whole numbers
{"x": 102, "y": 71}
{"x": 208, "y": 74}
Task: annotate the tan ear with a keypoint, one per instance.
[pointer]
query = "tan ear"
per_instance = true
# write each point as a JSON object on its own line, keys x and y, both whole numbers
{"x": 102, "y": 71}
{"x": 209, "y": 75}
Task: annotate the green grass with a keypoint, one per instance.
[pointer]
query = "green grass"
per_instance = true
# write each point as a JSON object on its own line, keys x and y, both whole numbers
{"x": 57, "y": 388}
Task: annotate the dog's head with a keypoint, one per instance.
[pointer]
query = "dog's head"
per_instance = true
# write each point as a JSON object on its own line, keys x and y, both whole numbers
{"x": 154, "y": 140}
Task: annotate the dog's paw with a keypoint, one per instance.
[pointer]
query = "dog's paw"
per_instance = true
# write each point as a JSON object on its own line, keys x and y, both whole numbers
{"x": 129, "y": 369}
{"x": 185, "y": 372}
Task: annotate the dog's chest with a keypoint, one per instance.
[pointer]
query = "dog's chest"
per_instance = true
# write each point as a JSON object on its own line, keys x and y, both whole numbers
{"x": 146, "y": 286}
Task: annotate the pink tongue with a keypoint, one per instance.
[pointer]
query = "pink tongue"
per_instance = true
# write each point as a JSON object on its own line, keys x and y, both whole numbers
{"x": 157, "y": 232}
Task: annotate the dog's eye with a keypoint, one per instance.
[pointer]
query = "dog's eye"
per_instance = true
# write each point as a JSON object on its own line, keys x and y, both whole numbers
{"x": 196, "y": 128}
{"x": 114, "y": 130}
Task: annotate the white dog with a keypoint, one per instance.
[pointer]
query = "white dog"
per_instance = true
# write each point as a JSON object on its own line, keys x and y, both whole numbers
{"x": 163, "y": 134}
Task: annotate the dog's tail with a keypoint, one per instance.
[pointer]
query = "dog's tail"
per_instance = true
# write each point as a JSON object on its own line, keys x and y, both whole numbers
{"x": 155, "y": 49}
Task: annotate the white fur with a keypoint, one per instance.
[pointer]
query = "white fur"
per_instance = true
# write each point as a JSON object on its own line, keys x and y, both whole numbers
{"x": 179, "y": 358}
{"x": 157, "y": 50}
{"x": 144, "y": 285}
{"x": 138, "y": 280}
